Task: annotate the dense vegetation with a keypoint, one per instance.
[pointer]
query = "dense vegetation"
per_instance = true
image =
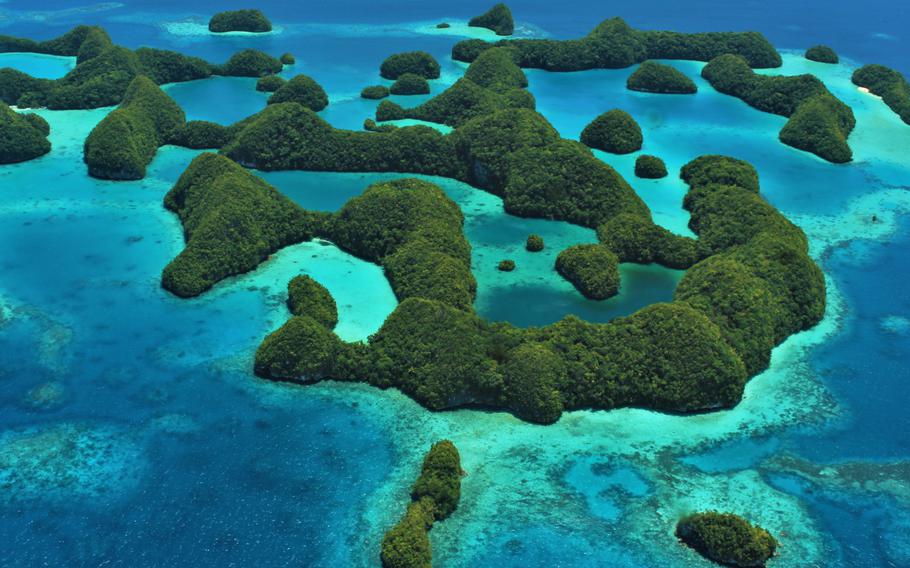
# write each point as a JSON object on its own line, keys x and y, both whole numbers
{"x": 240, "y": 21}
{"x": 22, "y": 136}
{"x": 653, "y": 77}
{"x": 250, "y": 63}
{"x": 307, "y": 297}
{"x": 375, "y": 92}
{"x": 887, "y": 83}
{"x": 819, "y": 122}
{"x": 410, "y": 84}
{"x": 650, "y": 167}
{"x": 534, "y": 243}
{"x": 592, "y": 269}
{"x": 416, "y": 62}
{"x": 506, "y": 265}
{"x": 201, "y": 134}
{"x": 614, "y": 131}
{"x": 822, "y": 54}
{"x": 498, "y": 19}
{"x": 269, "y": 83}
{"x": 304, "y": 90}
{"x": 726, "y": 538}
{"x": 232, "y": 221}
{"x": 125, "y": 141}
{"x": 287, "y": 59}
{"x": 434, "y": 497}
{"x": 68, "y": 44}
{"x": 613, "y": 44}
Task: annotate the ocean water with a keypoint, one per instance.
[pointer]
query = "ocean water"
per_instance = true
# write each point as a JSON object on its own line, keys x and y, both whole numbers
{"x": 132, "y": 432}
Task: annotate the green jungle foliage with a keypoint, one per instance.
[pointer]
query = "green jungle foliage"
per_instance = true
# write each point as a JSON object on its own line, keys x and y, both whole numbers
{"x": 240, "y": 21}
{"x": 495, "y": 69}
{"x": 534, "y": 243}
{"x": 498, "y": 18}
{"x": 443, "y": 25}
{"x": 375, "y": 92}
{"x": 819, "y": 122}
{"x": 287, "y": 59}
{"x": 506, "y": 265}
{"x": 887, "y": 83}
{"x": 614, "y": 131}
{"x": 125, "y": 141}
{"x": 303, "y": 350}
{"x": 592, "y": 269}
{"x": 613, "y": 44}
{"x": 249, "y": 63}
{"x": 440, "y": 479}
{"x": 650, "y": 167}
{"x": 68, "y": 44}
{"x": 93, "y": 44}
{"x": 410, "y": 84}
{"x": 304, "y": 90}
{"x": 270, "y": 83}
{"x": 307, "y": 297}
{"x": 201, "y": 135}
{"x": 172, "y": 67}
{"x": 654, "y": 77}
{"x": 726, "y": 538}
{"x": 416, "y": 62}
{"x": 822, "y": 54}
{"x": 22, "y": 136}
{"x": 370, "y": 124}
{"x": 721, "y": 170}
{"x": 634, "y": 238}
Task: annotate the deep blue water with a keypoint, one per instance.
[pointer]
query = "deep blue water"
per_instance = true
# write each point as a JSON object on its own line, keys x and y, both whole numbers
{"x": 161, "y": 449}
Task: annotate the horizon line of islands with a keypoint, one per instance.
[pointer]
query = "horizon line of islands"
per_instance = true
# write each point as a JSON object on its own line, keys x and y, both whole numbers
{"x": 749, "y": 282}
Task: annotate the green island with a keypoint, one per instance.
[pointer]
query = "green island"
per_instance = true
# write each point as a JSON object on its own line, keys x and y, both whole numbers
{"x": 416, "y": 62}
{"x": 498, "y": 19}
{"x": 650, "y": 167}
{"x": 818, "y": 121}
{"x": 434, "y": 497}
{"x": 125, "y": 141}
{"x": 309, "y": 298}
{"x": 887, "y": 83}
{"x": 727, "y": 539}
{"x": 613, "y": 44}
{"x": 614, "y": 131}
{"x": 822, "y": 54}
{"x": 23, "y": 137}
{"x": 654, "y": 77}
{"x": 303, "y": 90}
{"x": 240, "y": 21}
{"x": 269, "y": 83}
{"x": 534, "y": 243}
{"x": 506, "y": 265}
{"x": 410, "y": 84}
{"x": 374, "y": 92}
{"x": 287, "y": 59}
{"x": 592, "y": 269}
{"x": 104, "y": 71}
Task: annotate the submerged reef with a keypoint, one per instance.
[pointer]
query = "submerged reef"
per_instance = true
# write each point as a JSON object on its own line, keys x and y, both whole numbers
{"x": 416, "y": 62}
{"x": 727, "y": 539}
{"x": 650, "y": 167}
{"x": 819, "y": 122}
{"x": 614, "y": 131}
{"x": 887, "y": 83}
{"x": 410, "y": 84}
{"x": 592, "y": 269}
{"x": 240, "y": 21}
{"x": 434, "y": 497}
{"x": 22, "y": 136}
{"x": 498, "y": 19}
{"x": 654, "y": 77}
{"x": 304, "y": 90}
{"x": 821, "y": 54}
{"x": 613, "y": 44}
{"x": 125, "y": 141}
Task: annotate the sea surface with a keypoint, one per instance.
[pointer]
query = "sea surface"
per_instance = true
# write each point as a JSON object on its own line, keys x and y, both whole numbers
{"x": 133, "y": 433}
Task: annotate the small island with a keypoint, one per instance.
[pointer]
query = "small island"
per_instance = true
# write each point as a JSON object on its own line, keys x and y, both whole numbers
{"x": 287, "y": 59}
{"x": 303, "y": 90}
{"x": 650, "y": 167}
{"x": 307, "y": 297}
{"x": 434, "y": 497}
{"x": 534, "y": 243}
{"x": 614, "y": 131}
{"x": 822, "y": 54}
{"x": 592, "y": 269}
{"x": 22, "y": 136}
{"x": 887, "y": 83}
{"x": 416, "y": 62}
{"x": 375, "y": 92}
{"x": 498, "y": 19}
{"x": 269, "y": 83}
{"x": 506, "y": 265}
{"x": 410, "y": 84}
{"x": 727, "y": 539}
{"x": 253, "y": 21}
{"x": 653, "y": 77}
{"x": 250, "y": 63}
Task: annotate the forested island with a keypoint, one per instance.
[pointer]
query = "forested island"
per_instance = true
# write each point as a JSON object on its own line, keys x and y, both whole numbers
{"x": 887, "y": 83}
{"x": 727, "y": 539}
{"x": 240, "y": 21}
{"x": 22, "y": 136}
{"x": 654, "y": 77}
{"x": 498, "y": 19}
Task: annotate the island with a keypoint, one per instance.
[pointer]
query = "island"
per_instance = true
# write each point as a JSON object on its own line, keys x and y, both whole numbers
{"x": 309, "y": 298}
{"x": 653, "y": 77}
{"x": 287, "y": 59}
{"x": 303, "y": 90}
{"x": 819, "y": 122}
{"x": 498, "y": 19}
{"x": 434, "y": 497}
{"x": 253, "y": 21}
{"x": 23, "y": 137}
{"x": 614, "y": 131}
{"x": 534, "y": 243}
{"x": 410, "y": 84}
{"x": 416, "y": 62}
{"x": 822, "y": 54}
{"x": 375, "y": 92}
{"x": 887, "y": 83}
{"x": 727, "y": 539}
{"x": 650, "y": 167}
{"x": 269, "y": 83}
{"x": 506, "y": 265}
{"x": 613, "y": 44}
{"x": 592, "y": 269}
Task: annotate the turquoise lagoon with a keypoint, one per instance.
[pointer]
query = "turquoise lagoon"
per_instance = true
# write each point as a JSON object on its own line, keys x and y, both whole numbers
{"x": 132, "y": 432}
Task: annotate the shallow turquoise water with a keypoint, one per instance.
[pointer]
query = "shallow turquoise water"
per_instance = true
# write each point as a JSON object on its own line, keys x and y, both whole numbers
{"x": 132, "y": 432}
{"x": 38, "y": 64}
